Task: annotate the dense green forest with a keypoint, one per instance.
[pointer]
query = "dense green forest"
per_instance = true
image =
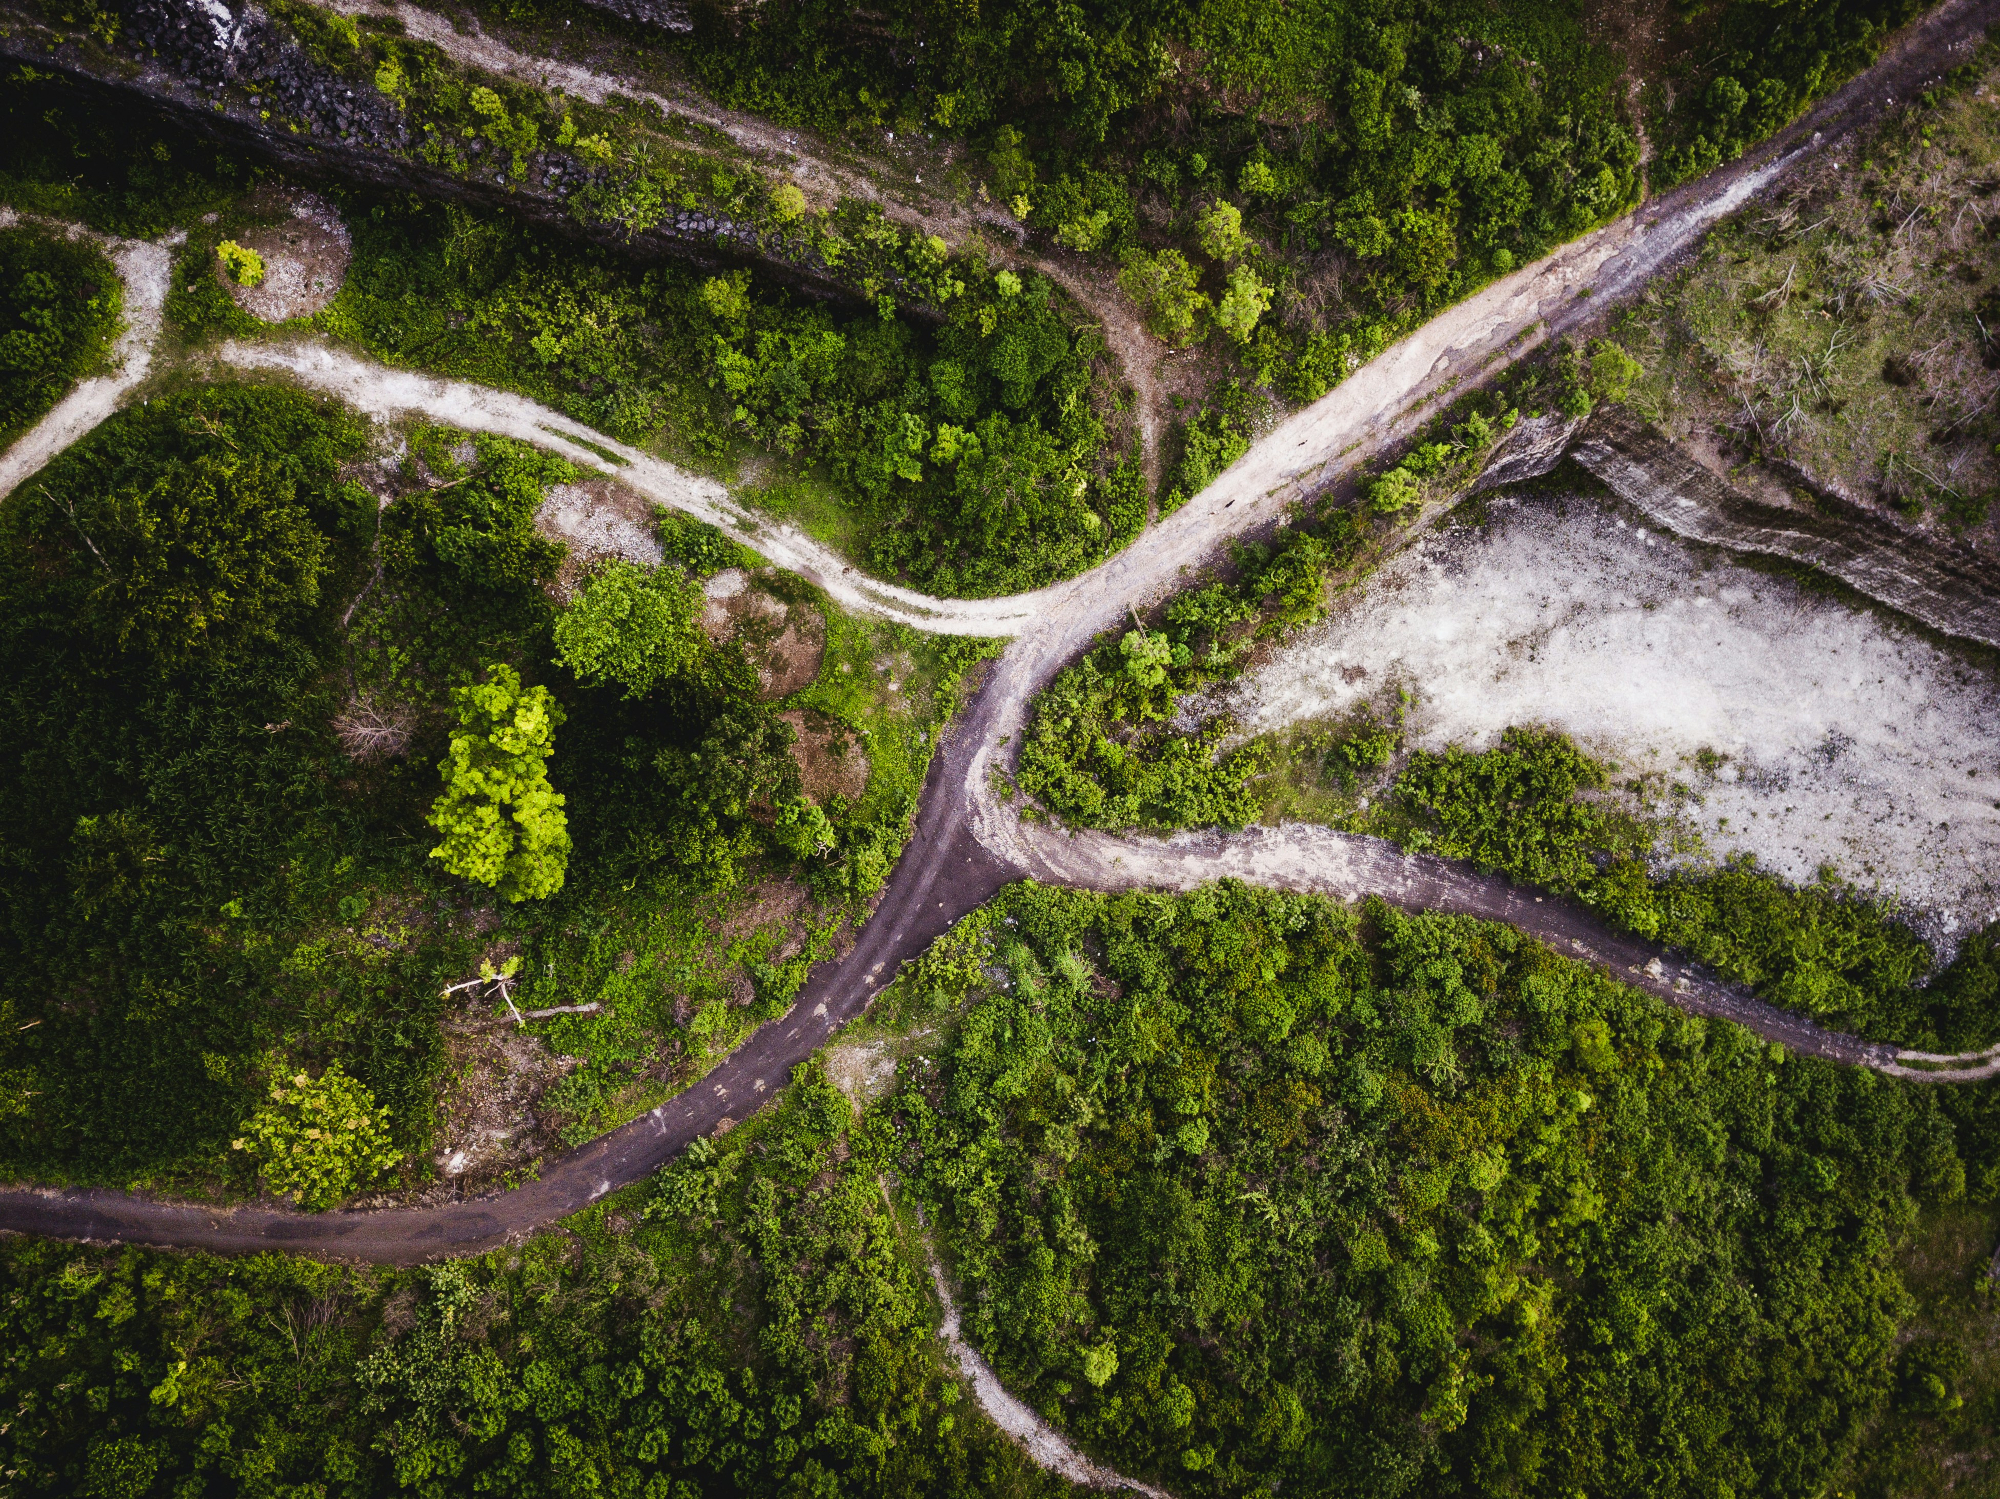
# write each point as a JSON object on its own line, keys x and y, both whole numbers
{"x": 1373, "y": 161}
{"x": 1237, "y": 1187}
{"x": 59, "y": 307}
{"x": 754, "y": 1322}
{"x": 232, "y": 679}
{"x": 1247, "y": 1190}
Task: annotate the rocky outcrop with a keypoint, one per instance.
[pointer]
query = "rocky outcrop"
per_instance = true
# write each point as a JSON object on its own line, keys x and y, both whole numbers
{"x": 1532, "y": 449}
{"x": 226, "y": 72}
{"x": 1952, "y": 591}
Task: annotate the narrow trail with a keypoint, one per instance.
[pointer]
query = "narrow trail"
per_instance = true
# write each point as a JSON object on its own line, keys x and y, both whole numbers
{"x": 968, "y": 843}
{"x": 1046, "y": 1447}
{"x": 146, "y": 269}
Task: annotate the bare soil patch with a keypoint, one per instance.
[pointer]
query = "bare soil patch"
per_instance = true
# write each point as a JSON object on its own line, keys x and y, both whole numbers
{"x": 600, "y": 521}
{"x": 489, "y": 1123}
{"x": 785, "y": 642}
{"x": 305, "y": 262}
{"x": 831, "y": 760}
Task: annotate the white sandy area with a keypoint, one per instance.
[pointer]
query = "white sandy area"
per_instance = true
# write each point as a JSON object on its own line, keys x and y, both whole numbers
{"x": 1850, "y": 743}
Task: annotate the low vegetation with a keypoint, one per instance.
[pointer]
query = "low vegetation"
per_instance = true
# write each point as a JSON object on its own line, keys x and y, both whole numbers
{"x": 290, "y": 764}
{"x": 1851, "y": 326}
{"x": 755, "y": 1321}
{"x": 59, "y": 311}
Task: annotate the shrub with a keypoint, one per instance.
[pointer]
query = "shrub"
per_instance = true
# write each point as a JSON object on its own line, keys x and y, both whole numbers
{"x": 1220, "y": 230}
{"x": 1246, "y": 301}
{"x": 1394, "y": 492}
{"x": 502, "y": 822}
{"x": 318, "y": 1139}
{"x": 1166, "y": 289}
{"x": 632, "y": 627}
{"x": 243, "y": 266}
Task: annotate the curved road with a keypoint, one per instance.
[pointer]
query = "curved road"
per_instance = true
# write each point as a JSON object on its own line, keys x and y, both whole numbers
{"x": 969, "y": 844}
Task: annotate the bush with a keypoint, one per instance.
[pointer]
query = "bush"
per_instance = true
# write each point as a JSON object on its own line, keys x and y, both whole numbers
{"x": 632, "y": 627}
{"x": 1243, "y": 304}
{"x": 1219, "y": 228}
{"x": 1166, "y": 289}
{"x": 319, "y": 1139}
{"x": 243, "y": 266}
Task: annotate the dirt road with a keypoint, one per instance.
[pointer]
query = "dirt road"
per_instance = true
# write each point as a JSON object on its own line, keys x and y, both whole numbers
{"x": 969, "y": 844}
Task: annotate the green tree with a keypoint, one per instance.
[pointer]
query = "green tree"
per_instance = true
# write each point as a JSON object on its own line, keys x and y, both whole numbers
{"x": 1165, "y": 288}
{"x": 1243, "y": 304}
{"x": 632, "y": 626}
{"x": 1220, "y": 230}
{"x": 318, "y": 1139}
{"x": 1394, "y": 491}
{"x": 502, "y": 822}
{"x": 1612, "y": 371}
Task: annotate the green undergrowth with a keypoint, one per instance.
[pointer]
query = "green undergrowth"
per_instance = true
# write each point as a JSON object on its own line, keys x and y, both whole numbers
{"x": 1543, "y": 813}
{"x": 1107, "y": 746}
{"x": 1852, "y": 324}
{"x": 1246, "y": 1190}
{"x": 1380, "y": 162}
{"x": 80, "y": 154}
{"x": 965, "y": 457}
{"x": 1945, "y": 1410}
{"x": 230, "y": 677}
{"x": 752, "y": 1321}
{"x": 59, "y": 310}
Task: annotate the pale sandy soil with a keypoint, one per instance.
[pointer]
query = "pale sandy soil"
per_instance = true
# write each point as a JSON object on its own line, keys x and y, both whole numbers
{"x": 1849, "y": 742}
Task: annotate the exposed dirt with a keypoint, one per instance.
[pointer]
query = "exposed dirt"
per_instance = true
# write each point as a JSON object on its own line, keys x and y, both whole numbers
{"x": 600, "y": 521}
{"x": 494, "y": 1076}
{"x": 305, "y": 262}
{"x": 784, "y": 642}
{"x": 1844, "y": 741}
{"x": 831, "y": 760}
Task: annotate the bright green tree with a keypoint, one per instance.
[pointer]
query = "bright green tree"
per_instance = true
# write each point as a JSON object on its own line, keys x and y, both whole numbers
{"x": 318, "y": 1139}
{"x": 1165, "y": 288}
{"x": 1246, "y": 301}
{"x": 502, "y": 822}
{"x": 1220, "y": 230}
{"x": 1612, "y": 371}
{"x": 632, "y": 626}
{"x": 240, "y": 264}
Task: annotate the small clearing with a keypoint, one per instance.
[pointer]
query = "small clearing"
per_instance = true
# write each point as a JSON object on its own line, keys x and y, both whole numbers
{"x": 305, "y": 261}
{"x": 1795, "y": 728}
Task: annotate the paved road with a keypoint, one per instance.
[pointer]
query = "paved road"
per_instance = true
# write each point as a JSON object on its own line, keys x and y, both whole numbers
{"x": 969, "y": 844}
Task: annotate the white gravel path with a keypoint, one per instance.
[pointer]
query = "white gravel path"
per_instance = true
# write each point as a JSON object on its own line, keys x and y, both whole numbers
{"x": 146, "y": 268}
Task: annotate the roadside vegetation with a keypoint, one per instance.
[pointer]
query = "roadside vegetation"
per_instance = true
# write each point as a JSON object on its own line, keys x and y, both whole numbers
{"x": 1236, "y": 1187}
{"x": 250, "y": 695}
{"x": 754, "y": 1321}
{"x": 1302, "y": 185}
{"x": 1247, "y": 1188}
{"x": 1851, "y": 326}
{"x": 59, "y": 311}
